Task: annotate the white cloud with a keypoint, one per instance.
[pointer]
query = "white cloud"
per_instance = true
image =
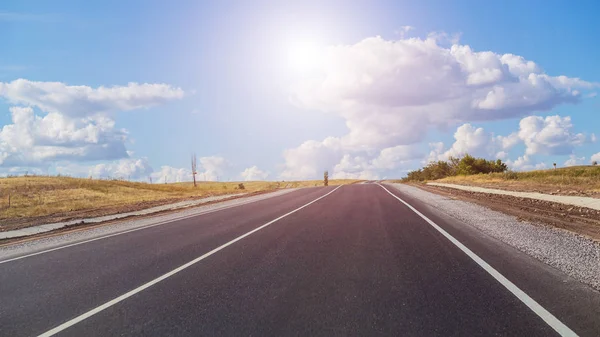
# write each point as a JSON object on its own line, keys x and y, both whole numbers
{"x": 471, "y": 140}
{"x": 212, "y": 168}
{"x": 393, "y": 157}
{"x": 130, "y": 168}
{"x": 575, "y": 161}
{"x": 390, "y": 93}
{"x": 254, "y": 173}
{"x": 525, "y": 163}
{"x": 35, "y": 140}
{"x": 168, "y": 174}
{"x": 209, "y": 169}
{"x": 552, "y": 135}
{"x": 311, "y": 158}
{"x": 79, "y": 101}
{"x": 75, "y": 124}
{"x": 354, "y": 168}
{"x": 595, "y": 157}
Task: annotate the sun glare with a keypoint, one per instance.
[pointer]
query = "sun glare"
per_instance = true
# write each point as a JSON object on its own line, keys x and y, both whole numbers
{"x": 303, "y": 56}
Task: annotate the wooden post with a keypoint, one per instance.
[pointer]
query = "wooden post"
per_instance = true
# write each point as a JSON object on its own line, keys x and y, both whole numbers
{"x": 194, "y": 168}
{"x": 9, "y": 200}
{"x": 326, "y": 178}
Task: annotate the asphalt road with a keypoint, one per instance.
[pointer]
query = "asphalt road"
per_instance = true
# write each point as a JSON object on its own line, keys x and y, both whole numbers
{"x": 353, "y": 261}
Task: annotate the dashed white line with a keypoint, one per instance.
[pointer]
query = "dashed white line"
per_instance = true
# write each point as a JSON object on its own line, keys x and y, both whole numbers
{"x": 544, "y": 314}
{"x": 112, "y": 302}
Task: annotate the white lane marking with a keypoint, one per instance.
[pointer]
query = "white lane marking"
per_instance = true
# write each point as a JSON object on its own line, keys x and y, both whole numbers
{"x": 112, "y": 302}
{"x": 129, "y": 230}
{"x": 544, "y": 314}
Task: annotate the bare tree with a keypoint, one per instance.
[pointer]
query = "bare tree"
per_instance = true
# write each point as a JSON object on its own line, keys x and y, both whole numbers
{"x": 194, "y": 168}
{"x": 326, "y": 178}
{"x": 554, "y": 165}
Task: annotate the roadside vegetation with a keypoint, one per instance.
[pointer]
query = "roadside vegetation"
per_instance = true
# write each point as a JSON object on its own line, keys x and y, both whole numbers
{"x": 39, "y": 196}
{"x": 575, "y": 180}
{"x": 468, "y": 170}
{"x": 465, "y": 166}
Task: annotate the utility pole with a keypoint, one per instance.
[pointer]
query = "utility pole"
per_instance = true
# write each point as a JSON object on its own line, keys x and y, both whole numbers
{"x": 194, "y": 168}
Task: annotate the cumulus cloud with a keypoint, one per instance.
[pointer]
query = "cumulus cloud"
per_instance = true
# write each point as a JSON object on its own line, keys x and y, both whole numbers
{"x": 391, "y": 92}
{"x": 595, "y": 157}
{"x": 575, "y": 161}
{"x": 34, "y": 140}
{"x": 75, "y": 124}
{"x": 468, "y": 139}
{"x": 393, "y": 157}
{"x": 311, "y": 158}
{"x": 129, "y": 168}
{"x": 81, "y": 100}
{"x": 552, "y": 135}
{"x": 210, "y": 168}
{"x": 525, "y": 163}
{"x": 254, "y": 173}
{"x": 381, "y": 85}
{"x": 168, "y": 174}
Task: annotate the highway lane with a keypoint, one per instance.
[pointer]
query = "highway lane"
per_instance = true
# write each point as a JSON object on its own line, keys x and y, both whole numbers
{"x": 42, "y": 291}
{"x": 356, "y": 262}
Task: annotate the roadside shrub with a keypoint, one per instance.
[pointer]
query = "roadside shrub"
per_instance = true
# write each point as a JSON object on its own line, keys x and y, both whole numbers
{"x": 510, "y": 175}
{"x": 241, "y": 186}
{"x": 467, "y": 165}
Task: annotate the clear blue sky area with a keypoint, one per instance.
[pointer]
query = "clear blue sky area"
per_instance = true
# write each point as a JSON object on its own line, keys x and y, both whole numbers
{"x": 239, "y": 64}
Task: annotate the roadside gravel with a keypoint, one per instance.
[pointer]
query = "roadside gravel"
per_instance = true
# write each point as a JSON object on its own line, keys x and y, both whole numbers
{"x": 576, "y": 255}
{"x": 61, "y": 239}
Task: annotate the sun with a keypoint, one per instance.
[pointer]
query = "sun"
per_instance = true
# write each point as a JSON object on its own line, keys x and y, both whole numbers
{"x": 303, "y": 55}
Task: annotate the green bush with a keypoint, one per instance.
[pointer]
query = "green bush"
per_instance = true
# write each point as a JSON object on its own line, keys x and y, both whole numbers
{"x": 467, "y": 165}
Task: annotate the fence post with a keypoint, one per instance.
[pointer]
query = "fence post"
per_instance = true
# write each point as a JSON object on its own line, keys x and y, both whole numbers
{"x": 9, "y": 200}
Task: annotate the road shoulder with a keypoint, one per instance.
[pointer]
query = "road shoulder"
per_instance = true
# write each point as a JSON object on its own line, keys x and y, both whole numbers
{"x": 557, "y": 268}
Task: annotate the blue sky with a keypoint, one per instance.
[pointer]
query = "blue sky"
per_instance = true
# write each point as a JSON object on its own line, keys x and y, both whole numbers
{"x": 244, "y": 90}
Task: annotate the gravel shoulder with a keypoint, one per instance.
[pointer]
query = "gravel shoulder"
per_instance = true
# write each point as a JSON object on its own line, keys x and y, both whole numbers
{"x": 563, "y": 248}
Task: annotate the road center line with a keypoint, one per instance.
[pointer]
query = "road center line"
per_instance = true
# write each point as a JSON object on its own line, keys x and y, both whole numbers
{"x": 112, "y": 302}
{"x": 544, "y": 314}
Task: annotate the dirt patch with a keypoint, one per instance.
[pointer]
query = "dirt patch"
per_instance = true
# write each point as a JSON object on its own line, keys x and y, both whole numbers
{"x": 579, "y": 220}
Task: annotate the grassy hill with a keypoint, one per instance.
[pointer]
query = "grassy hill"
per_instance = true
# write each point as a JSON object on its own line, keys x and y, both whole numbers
{"x": 43, "y": 196}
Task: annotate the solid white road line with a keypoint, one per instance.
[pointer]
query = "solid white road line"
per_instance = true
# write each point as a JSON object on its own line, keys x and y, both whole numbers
{"x": 128, "y": 231}
{"x": 112, "y": 302}
{"x": 544, "y": 314}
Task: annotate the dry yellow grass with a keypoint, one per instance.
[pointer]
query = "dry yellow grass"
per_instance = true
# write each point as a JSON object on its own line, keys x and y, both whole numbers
{"x": 584, "y": 179}
{"x": 38, "y": 196}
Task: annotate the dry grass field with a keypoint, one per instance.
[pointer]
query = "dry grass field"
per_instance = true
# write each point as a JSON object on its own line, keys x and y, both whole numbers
{"x": 576, "y": 180}
{"x": 36, "y": 197}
